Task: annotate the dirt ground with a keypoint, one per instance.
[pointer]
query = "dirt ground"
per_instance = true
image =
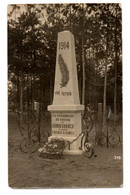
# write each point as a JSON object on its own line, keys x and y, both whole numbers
{"x": 31, "y": 171}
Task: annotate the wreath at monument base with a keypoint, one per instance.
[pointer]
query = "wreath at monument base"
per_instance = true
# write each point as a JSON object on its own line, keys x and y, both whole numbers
{"x": 53, "y": 149}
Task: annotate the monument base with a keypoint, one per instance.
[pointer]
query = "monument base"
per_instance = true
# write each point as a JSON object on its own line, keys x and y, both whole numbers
{"x": 73, "y": 152}
{"x": 67, "y": 124}
{"x": 72, "y": 148}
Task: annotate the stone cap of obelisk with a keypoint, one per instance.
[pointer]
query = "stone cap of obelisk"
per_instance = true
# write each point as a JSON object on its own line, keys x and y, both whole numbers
{"x": 66, "y": 90}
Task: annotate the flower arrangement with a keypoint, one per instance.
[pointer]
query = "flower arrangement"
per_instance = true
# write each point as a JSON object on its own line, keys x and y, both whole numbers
{"x": 54, "y": 147}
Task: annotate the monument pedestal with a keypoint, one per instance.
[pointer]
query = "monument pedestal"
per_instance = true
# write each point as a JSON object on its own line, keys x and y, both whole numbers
{"x": 67, "y": 124}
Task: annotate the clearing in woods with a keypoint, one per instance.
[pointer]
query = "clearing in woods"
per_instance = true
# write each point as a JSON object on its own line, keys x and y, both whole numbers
{"x": 31, "y": 171}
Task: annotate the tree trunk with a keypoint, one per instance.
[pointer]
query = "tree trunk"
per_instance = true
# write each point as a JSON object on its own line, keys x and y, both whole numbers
{"x": 18, "y": 99}
{"x": 21, "y": 96}
{"x": 83, "y": 69}
{"x": 105, "y": 77}
{"x": 104, "y": 93}
{"x": 70, "y": 17}
{"x": 83, "y": 64}
{"x": 80, "y": 86}
{"x": 28, "y": 95}
{"x": 32, "y": 92}
{"x": 115, "y": 84}
{"x": 51, "y": 94}
{"x": 115, "y": 87}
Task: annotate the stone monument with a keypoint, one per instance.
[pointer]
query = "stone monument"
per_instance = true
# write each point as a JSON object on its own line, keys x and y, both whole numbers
{"x": 66, "y": 109}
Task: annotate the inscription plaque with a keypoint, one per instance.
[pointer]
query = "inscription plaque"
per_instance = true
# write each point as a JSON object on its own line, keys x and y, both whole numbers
{"x": 63, "y": 124}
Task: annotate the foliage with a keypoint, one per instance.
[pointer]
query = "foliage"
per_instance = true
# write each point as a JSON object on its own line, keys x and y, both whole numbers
{"x": 32, "y": 38}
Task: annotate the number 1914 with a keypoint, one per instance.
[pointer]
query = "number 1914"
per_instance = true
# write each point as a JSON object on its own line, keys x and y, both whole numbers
{"x": 63, "y": 45}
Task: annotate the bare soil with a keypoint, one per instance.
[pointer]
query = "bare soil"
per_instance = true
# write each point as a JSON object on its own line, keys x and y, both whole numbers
{"x": 31, "y": 171}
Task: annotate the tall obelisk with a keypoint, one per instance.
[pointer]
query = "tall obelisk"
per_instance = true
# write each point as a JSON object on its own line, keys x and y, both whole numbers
{"x": 66, "y": 109}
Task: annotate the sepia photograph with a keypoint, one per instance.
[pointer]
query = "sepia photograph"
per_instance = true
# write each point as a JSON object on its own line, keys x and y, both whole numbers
{"x": 65, "y": 107}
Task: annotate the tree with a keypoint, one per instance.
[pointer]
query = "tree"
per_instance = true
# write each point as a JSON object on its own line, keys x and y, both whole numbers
{"x": 33, "y": 36}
